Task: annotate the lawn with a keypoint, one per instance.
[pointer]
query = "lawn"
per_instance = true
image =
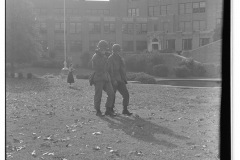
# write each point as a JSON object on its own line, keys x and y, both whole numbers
{"x": 47, "y": 120}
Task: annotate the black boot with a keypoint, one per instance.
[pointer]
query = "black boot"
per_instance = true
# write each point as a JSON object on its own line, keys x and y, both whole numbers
{"x": 110, "y": 112}
{"x": 99, "y": 113}
{"x": 126, "y": 112}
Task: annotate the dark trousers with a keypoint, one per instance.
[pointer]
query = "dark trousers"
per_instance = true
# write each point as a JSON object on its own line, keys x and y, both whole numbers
{"x": 122, "y": 89}
{"x": 99, "y": 87}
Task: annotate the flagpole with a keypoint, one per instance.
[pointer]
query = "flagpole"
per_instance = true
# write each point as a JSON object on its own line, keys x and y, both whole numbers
{"x": 65, "y": 51}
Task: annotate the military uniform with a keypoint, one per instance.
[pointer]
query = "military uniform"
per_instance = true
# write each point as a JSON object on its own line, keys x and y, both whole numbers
{"x": 117, "y": 71}
{"x": 101, "y": 80}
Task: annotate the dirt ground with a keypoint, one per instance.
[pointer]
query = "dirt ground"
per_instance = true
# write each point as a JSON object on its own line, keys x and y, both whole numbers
{"x": 47, "y": 120}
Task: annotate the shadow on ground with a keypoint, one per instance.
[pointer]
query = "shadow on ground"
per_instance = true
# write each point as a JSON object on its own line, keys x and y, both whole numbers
{"x": 15, "y": 85}
{"x": 143, "y": 130}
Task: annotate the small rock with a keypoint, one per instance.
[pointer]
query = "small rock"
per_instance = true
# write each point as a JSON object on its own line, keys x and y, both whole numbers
{"x": 96, "y": 133}
{"x": 109, "y": 147}
{"x": 51, "y": 154}
{"x": 114, "y": 152}
{"x": 96, "y": 148}
{"x": 118, "y": 141}
{"x": 34, "y": 154}
{"x": 198, "y": 155}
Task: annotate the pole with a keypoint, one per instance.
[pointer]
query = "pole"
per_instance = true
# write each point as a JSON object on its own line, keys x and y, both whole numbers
{"x": 65, "y": 52}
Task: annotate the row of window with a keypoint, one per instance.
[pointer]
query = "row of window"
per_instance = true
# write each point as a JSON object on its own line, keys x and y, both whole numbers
{"x": 128, "y": 46}
{"x": 95, "y": 28}
{"x": 184, "y": 8}
{"x": 127, "y": 28}
{"x": 72, "y": 11}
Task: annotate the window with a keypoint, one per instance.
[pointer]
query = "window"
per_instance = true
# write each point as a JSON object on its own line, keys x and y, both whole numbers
{"x": 75, "y": 27}
{"x": 181, "y": 8}
{"x": 141, "y": 45}
{"x": 127, "y": 28}
{"x": 203, "y": 41}
{"x": 171, "y": 44}
{"x": 109, "y": 28}
{"x": 95, "y": 28}
{"x": 141, "y": 28}
{"x": 127, "y": 46}
{"x": 202, "y": 7}
{"x": 59, "y": 27}
{"x": 165, "y": 9}
{"x": 59, "y": 45}
{"x": 93, "y": 45}
{"x": 187, "y": 44}
{"x": 199, "y": 25}
{"x": 75, "y": 45}
{"x": 185, "y": 26}
{"x": 199, "y": 7}
{"x": 153, "y": 11}
{"x": 132, "y": 12}
{"x": 185, "y": 8}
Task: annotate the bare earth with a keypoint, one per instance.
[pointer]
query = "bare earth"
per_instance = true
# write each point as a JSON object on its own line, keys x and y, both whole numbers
{"x": 47, "y": 120}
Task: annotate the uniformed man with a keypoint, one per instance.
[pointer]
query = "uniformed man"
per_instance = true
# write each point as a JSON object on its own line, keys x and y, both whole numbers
{"x": 117, "y": 71}
{"x": 101, "y": 79}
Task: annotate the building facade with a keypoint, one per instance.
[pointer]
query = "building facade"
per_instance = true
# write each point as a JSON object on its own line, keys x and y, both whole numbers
{"x": 137, "y": 25}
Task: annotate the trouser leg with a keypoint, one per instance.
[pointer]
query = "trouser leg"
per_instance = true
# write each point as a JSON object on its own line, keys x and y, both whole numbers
{"x": 110, "y": 94}
{"x": 98, "y": 95}
{"x": 114, "y": 97}
{"x": 122, "y": 88}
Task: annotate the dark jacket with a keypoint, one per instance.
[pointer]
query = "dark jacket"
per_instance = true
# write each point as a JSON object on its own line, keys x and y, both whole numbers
{"x": 116, "y": 68}
{"x": 99, "y": 65}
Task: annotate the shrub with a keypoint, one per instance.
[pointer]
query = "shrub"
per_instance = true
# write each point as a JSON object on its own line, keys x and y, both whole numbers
{"x": 195, "y": 69}
{"x": 140, "y": 63}
{"x": 160, "y": 70}
{"x": 156, "y": 59}
{"x": 199, "y": 70}
{"x": 29, "y": 75}
{"x": 149, "y": 68}
{"x": 145, "y": 78}
{"x": 130, "y": 63}
{"x": 85, "y": 58}
{"x": 182, "y": 71}
{"x": 131, "y": 76}
{"x": 82, "y": 76}
{"x": 20, "y": 75}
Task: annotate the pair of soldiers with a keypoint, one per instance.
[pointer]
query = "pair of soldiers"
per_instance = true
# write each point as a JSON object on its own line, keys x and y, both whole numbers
{"x": 110, "y": 76}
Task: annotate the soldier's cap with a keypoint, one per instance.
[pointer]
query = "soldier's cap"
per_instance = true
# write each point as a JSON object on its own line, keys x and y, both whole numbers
{"x": 116, "y": 48}
{"x": 102, "y": 45}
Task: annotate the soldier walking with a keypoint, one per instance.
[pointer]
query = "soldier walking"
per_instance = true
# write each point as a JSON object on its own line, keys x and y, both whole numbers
{"x": 101, "y": 79}
{"x": 117, "y": 71}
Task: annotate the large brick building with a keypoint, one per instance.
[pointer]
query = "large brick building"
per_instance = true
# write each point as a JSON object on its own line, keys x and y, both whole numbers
{"x": 138, "y": 25}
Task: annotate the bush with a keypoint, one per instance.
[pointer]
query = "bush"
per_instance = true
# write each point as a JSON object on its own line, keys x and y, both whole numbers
{"x": 160, "y": 70}
{"x": 149, "y": 68}
{"x": 130, "y": 63}
{"x": 182, "y": 71}
{"x": 155, "y": 59}
{"x": 82, "y": 76}
{"x": 195, "y": 69}
{"x": 145, "y": 78}
{"x": 140, "y": 63}
{"x": 85, "y": 58}
{"x": 141, "y": 77}
{"x": 29, "y": 75}
{"x": 20, "y": 75}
